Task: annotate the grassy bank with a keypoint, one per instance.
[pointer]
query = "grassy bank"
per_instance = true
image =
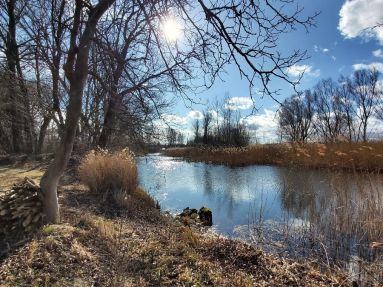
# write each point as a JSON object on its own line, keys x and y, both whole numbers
{"x": 138, "y": 246}
{"x": 356, "y": 156}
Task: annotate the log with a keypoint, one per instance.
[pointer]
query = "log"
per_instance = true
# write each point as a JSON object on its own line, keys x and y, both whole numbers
{"x": 21, "y": 208}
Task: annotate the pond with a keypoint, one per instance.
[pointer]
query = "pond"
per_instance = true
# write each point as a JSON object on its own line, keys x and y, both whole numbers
{"x": 333, "y": 215}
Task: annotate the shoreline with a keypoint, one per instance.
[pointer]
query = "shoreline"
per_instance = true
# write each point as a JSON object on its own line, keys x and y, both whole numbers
{"x": 358, "y": 157}
{"x": 145, "y": 247}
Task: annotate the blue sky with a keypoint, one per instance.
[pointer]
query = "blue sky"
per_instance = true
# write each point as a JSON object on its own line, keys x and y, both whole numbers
{"x": 337, "y": 46}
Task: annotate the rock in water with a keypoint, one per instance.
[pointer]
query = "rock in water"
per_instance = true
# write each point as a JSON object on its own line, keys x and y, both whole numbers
{"x": 206, "y": 216}
{"x": 188, "y": 212}
{"x": 191, "y": 215}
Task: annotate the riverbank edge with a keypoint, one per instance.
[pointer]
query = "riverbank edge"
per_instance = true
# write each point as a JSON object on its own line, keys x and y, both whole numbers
{"x": 361, "y": 157}
{"x": 144, "y": 248}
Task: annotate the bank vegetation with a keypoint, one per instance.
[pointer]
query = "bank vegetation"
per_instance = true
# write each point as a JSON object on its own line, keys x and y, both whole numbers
{"x": 117, "y": 236}
{"x": 354, "y": 156}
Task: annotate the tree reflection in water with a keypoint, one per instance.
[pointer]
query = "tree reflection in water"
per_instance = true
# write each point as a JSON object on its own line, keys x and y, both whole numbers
{"x": 330, "y": 215}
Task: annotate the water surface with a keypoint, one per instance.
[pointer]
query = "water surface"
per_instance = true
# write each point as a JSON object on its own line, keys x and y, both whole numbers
{"x": 299, "y": 212}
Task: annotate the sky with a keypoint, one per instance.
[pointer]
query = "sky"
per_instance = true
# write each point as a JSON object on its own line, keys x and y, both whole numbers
{"x": 340, "y": 43}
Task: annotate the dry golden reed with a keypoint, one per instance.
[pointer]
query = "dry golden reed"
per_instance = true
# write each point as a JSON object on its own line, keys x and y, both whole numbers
{"x": 355, "y": 156}
{"x": 109, "y": 173}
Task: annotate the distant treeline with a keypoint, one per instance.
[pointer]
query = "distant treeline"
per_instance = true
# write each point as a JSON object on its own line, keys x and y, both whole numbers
{"x": 220, "y": 125}
{"x": 346, "y": 110}
{"x": 334, "y": 110}
{"x": 230, "y": 131}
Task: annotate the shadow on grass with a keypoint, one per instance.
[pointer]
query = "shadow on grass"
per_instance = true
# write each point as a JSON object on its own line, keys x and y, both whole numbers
{"x": 137, "y": 206}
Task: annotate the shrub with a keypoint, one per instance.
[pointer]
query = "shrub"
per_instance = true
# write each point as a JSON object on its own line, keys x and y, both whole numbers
{"x": 112, "y": 174}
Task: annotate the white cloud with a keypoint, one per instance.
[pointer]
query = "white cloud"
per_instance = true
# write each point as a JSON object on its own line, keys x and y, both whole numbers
{"x": 358, "y": 17}
{"x": 216, "y": 117}
{"x": 320, "y": 49}
{"x": 263, "y": 125}
{"x": 333, "y": 58}
{"x": 239, "y": 103}
{"x": 376, "y": 65}
{"x": 195, "y": 115}
{"x": 174, "y": 120}
{"x": 378, "y": 53}
{"x": 298, "y": 70}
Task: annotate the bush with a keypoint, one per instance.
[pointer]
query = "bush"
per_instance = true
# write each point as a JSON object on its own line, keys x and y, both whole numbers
{"x": 112, "y": 174}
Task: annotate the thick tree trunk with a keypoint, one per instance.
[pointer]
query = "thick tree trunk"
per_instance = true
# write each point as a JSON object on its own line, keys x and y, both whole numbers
{"x": 11, "y": 51}
{"x": 52, "y": 176}
{"x": 76, "y": 70}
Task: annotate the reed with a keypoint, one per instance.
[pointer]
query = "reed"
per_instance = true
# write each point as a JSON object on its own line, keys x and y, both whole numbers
{"x": 111, "y": 174}
{"x": 355, "y": 156}
{"x": 335, "y": 222}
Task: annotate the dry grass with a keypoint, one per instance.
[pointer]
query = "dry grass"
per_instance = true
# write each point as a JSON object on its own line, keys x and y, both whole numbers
{"x": 356, "y": 156}
{"x": 9, "y": 176}
{"x": 89, "y": 250}
{"x": 113, "y": 174}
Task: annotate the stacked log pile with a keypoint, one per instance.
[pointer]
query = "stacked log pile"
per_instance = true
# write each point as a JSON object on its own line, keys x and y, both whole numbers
{"x": 21, "y": 208}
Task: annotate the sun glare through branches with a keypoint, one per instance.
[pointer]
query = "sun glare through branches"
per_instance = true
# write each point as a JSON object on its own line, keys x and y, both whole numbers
{"x": 171, "y": 29}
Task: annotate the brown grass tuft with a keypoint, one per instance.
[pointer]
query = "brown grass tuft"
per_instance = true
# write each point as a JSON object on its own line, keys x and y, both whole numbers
{"x": 112, "y": 174}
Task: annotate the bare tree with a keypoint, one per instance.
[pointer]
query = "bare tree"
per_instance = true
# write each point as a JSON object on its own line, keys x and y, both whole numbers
{"x": 45, "y": 23}
{"x": 15, "y": 48}
{"x": 347, "y": 105}
{"x": 245, "y": 33}
{"x": 364, "y": 88}
{"x": 329, "y": 120}
{"x": 379, "y": 104}
{"x": 228, "y": 131}
{"x": 196, "y": 131}
{"x": 180, "y": 138}
{"x": 171, "y": 136}
{"x": 207, "y": 118}
{"x": 76, "y": 71}
{"x": 295, "y": 117}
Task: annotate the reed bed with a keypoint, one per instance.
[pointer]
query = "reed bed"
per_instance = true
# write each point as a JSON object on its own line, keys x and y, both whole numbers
{"x": 355, "y": 156}
{"x": 105, "y": 171}
{"x": 335, "y": 222}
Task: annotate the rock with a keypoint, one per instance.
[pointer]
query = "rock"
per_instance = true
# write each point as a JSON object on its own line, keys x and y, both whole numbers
{"x": 206, "y": 216}
{"x": 191, "y": 215}
{"x": 188, "y": 212}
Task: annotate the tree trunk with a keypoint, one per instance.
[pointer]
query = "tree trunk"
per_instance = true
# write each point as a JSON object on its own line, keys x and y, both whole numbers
{"x": 43, "y": 131}
{"x": 11, "y": 51}
{"x": 28, "y": 121}
{"x": 76, "y": 70}
{"x": 365, "y": 130}
{"x": 17, "y": 140}
{"x": 114, "y": 101}
{"x": 52, "y": 176}
{"x": 109, "y": 122}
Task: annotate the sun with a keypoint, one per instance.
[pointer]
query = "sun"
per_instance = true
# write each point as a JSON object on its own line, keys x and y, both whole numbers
{"x": 171, "y": 29}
